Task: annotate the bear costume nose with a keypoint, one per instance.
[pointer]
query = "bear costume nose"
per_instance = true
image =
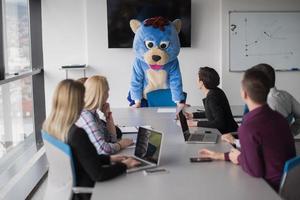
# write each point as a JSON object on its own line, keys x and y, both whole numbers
{"x": 156, "y": 58}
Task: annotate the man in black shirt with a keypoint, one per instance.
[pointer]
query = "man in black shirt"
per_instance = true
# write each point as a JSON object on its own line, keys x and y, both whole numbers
{"x": 217, "y": 109}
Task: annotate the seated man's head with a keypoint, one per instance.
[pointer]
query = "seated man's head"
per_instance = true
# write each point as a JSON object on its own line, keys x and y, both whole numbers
{"x": 208, "y": 78}
{"x": 268, "y": 70}
{"x": 255, "y": 87}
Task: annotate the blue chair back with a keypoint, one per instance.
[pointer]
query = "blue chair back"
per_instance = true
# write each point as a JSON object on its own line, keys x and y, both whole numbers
{"x": 161, "y": 98}
{"x": 246, "y": 109}
{"x": 289, "y": 187}
{"x": 290, "y": 118}
{"x": 61, "y": 175}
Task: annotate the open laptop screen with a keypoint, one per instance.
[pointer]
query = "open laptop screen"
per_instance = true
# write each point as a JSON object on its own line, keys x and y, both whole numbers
{"x": 148, "y": 145}
{"x": 184, "y": 126}
{"x": 183, "y": 122}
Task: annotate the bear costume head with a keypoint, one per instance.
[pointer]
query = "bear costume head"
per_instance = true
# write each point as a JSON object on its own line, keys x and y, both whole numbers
{"x": 156, "y": 41}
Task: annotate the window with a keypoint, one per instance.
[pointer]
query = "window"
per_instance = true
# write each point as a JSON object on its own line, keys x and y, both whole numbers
{"x": 16, "y": 114}
{"x": 22, "y": 95}
{"x": 16, "y": 36}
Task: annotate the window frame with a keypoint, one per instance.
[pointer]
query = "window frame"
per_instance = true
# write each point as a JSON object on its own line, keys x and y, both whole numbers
{"x": 38, "y": 84}
{"x": 2, "y": 62}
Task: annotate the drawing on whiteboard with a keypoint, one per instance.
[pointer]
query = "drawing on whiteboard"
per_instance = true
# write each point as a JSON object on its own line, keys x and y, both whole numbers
{"x": 266, "y": 34}
{"x": 264, "y": 37}
{"x": 233, "y": 27}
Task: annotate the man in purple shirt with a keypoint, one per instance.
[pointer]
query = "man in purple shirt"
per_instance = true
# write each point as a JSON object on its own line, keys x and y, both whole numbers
{"x": 265, "y": 137}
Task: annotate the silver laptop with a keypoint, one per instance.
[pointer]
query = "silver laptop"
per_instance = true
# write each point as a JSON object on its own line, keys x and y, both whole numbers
{"x": 206, "y": 136}
{"x": 147, "y": 149}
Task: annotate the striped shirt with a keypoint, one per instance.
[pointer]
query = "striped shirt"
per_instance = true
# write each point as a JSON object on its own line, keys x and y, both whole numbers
{"x": 104, "y": 142}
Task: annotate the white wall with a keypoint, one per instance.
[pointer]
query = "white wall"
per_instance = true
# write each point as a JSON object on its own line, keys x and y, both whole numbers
{"x": 75, "y": 31}
{"x": 289, "y": 81}
{"x": 64, "y": 42}
{"x": 116, "y": 64}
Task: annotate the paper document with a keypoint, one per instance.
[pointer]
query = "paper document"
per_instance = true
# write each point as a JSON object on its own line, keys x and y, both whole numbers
{"x": 132, "y": 129}
{"x": 166, "y": 110}
{"x": 146, "y": 126}
{"x": 129, "y": 129}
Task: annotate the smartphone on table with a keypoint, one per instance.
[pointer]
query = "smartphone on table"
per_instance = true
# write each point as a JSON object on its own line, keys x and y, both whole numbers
{"x": 199, "y": 159}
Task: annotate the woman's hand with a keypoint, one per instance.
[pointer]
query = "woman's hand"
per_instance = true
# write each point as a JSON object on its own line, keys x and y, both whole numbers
{"x": 117, "y": 158}
{"x": 125, "y": 142}
{"x": 130, "y": 163}
{"x": 205, "y": 153}
{"x": 110, "y": 125}
{"x": 106, "y": 110}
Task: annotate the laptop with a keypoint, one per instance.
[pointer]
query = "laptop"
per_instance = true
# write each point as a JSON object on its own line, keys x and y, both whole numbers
{"x": 208, "y": 136}
{"x": 147, "y": 149}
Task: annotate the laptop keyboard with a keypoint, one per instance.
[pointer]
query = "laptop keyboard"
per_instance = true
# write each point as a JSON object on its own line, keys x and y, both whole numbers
{"x": 196, "y": 137}
{"x": 142, "y": 163}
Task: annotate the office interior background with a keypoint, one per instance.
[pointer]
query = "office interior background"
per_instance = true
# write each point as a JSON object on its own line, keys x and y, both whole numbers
{"x": 37, "y": 37}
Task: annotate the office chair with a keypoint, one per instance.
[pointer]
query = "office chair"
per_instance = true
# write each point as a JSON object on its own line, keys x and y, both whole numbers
{"x": 289, "y": 186}
{"x": 161, "y": 98}
{"x": 61, "y": 175}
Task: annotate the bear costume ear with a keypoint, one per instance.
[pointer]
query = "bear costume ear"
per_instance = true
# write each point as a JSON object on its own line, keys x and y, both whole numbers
{"x": 177, "y": 24}
{"x": 134, "y": 25}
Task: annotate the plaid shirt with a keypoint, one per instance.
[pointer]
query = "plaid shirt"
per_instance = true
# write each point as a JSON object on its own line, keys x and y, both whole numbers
{"x": 104, "y": 142}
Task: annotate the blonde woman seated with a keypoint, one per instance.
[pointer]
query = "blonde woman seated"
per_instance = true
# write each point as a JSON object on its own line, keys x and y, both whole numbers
{"x": 68, "y": 101}
{"x": 102, "y": 135}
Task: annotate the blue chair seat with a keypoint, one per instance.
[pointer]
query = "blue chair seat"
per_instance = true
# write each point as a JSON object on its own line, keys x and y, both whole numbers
{"x": 161, "y": 98}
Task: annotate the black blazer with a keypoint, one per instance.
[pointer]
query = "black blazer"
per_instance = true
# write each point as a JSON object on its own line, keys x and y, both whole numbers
{"x": 217, "y": 112}
{"x": 89, "y": 166}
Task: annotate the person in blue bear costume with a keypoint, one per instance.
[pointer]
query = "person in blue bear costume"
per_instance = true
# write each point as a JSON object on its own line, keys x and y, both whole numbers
{"x": 156, "y": 45}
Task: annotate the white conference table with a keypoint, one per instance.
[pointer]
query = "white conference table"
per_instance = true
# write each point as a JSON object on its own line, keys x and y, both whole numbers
{"x": 185, "y": 180}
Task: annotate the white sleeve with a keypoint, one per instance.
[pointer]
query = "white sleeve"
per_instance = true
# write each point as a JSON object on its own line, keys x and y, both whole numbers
{"x": 295, "y": 127}
{"x": 271, "y": 102}
{"x": 296, "y": 108}
{"x": 237, "y": 143}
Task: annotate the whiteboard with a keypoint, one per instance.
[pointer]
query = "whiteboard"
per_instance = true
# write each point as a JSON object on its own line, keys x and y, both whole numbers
{"x": 264, "y": 37}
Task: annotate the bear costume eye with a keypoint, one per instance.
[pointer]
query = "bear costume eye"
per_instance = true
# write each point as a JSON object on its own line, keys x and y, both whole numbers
{"x": 149, "y": 44}
{"x": 164, "y": 44}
